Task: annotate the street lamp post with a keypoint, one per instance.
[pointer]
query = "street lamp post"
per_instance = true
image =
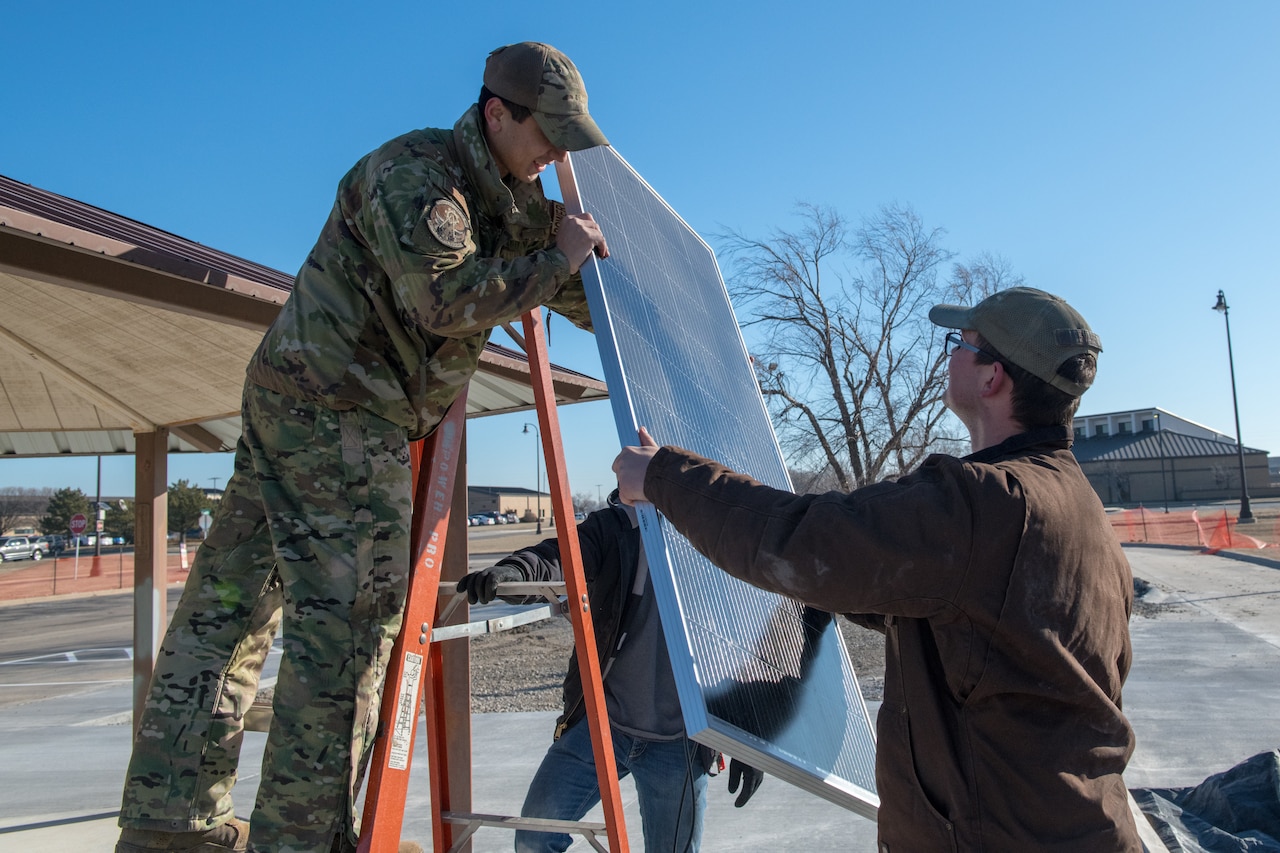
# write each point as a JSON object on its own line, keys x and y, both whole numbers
{"x": 99, "y": 514}
{"x": 537, "y": 470}
{"x": 1246, "y": 515}
{"x": 1164, "y": 486}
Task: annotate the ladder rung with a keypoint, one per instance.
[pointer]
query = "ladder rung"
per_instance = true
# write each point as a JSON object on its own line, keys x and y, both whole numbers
{"x": 493, "y": 626}
{"x": 510, "y": 588}
{"x": 472, "y": 822}
{"x": 448, "y": 590}
{"x": 523, "y": 822}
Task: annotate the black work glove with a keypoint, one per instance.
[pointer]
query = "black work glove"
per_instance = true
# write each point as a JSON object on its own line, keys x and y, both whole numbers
{"x": 749, "y": 777}
{"x": 482, "y": 586}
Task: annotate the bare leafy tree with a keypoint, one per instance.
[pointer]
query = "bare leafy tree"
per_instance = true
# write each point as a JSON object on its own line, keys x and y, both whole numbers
{"x": 845, "y": 355}
{"x": 584, "y": 502}
{"x": 19, "y": 504}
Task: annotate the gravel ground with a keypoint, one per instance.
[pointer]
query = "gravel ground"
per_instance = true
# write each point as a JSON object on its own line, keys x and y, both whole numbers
{"x": 523, "y": 669}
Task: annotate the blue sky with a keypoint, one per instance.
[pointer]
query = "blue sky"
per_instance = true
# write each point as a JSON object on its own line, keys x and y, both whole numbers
{"x": 1123, "y": 155}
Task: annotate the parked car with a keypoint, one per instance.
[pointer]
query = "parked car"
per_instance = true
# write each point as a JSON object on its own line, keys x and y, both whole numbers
{"x": 511, "y": 517}
{"x": 480, "y": 519}
{"x": 89, "y": 540}
{"x": 52, "y": 544}
{"x": 20, "y": 548}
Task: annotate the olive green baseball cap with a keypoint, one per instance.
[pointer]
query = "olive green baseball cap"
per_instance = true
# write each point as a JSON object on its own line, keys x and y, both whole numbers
{"x": 541, "y": 78}
{"x": 1035, "y": 330}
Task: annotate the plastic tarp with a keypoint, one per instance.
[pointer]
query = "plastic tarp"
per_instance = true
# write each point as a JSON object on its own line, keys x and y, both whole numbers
{"x": 1237, "y": 811}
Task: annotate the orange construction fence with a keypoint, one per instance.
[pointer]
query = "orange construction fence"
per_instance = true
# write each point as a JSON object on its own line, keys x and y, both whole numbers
{"x": 1214, "y": 532}
{"x": 65, "y": 574}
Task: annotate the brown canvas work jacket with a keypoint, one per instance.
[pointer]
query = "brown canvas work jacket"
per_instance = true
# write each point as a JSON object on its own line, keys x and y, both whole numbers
{"x": 1005, "y": 600}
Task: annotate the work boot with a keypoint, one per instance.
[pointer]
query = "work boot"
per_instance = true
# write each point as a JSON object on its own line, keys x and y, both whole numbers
{"x": 230, "y": 837}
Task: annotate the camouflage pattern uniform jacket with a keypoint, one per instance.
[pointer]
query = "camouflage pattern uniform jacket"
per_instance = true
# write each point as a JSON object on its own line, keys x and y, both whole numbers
{"x": 426, "y": 250}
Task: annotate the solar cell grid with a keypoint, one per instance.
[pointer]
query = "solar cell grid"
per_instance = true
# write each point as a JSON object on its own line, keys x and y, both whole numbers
{"x": 760, "y": 677}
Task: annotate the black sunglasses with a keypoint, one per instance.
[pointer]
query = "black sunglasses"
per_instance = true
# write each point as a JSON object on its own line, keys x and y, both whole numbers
{"x": 954, "y": 341}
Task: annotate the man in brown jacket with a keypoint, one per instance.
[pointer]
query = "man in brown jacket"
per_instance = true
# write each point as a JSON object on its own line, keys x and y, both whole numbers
{"x": 1001, "y": 589}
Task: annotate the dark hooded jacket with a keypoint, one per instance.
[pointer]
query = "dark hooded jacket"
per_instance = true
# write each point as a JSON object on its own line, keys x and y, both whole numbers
{"x": 610, "y": 548}
{"x": 1005, "y": 599}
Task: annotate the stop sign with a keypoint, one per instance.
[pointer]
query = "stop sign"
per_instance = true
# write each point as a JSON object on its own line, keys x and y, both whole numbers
{"x": 78, "y": 523}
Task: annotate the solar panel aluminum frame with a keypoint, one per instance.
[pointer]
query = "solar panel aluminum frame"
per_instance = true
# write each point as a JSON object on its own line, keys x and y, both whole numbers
{"x": 779, "y": 689}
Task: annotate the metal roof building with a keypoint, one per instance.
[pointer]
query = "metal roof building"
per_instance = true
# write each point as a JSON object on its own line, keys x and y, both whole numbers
{"x": 1159, "y": 466}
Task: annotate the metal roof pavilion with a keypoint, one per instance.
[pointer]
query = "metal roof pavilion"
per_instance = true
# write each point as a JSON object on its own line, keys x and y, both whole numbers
{"x": 111, "y": 327}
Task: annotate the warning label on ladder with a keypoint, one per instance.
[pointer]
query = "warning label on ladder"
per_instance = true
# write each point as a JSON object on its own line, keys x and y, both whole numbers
{"x": 406, "y": 710}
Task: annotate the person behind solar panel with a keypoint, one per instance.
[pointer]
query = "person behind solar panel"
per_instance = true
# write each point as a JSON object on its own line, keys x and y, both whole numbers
{"x": 1003, "y": 594}
{"x": 761, "y": 698}
{"x": 670, "y": 771}
{"x": 435, "y": 238}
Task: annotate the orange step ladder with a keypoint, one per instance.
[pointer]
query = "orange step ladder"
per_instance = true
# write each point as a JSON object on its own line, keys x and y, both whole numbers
{"x": 418, "y": 667}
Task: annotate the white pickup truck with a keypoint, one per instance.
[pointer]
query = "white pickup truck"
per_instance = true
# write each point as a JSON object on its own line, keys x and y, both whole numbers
{"x": 20, "y": 548}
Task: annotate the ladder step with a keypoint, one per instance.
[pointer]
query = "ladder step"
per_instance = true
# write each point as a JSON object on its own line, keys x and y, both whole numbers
{"x": 516, "y": 822}
{"x": 472, "y": 822}
{"x": 493, "y": 626}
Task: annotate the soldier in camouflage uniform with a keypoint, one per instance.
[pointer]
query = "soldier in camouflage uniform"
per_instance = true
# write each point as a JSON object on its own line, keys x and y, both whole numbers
{"x": 435, "y": 238}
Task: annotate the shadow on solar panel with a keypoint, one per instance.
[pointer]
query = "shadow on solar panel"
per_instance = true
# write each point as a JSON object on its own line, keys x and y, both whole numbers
{"x": 760, "y": 677}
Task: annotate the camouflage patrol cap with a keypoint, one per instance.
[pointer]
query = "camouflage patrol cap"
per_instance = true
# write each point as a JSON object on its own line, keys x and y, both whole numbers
{"x": 1035, "y": 330}
{"x": 543, "y": 79}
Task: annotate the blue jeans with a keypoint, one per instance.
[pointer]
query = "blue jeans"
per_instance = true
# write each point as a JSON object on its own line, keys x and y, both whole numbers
{"x": 670, "y": 779}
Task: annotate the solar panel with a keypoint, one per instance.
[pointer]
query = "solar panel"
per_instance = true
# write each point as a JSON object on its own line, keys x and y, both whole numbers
{"x": 760, "y": 676}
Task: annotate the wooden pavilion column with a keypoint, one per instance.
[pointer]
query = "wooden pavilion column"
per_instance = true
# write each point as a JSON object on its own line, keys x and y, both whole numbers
{"x": 150, "y": 557}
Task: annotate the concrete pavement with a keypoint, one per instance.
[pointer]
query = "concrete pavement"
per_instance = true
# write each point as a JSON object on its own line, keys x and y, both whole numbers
{"x": 1202, "y": 696}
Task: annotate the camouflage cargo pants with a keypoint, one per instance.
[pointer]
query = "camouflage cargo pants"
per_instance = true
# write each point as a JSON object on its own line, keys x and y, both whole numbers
{"x": 311, "y": 534}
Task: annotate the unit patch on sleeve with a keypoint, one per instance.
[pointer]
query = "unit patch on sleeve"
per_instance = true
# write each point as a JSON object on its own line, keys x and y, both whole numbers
{"x": 448, "y": 223}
